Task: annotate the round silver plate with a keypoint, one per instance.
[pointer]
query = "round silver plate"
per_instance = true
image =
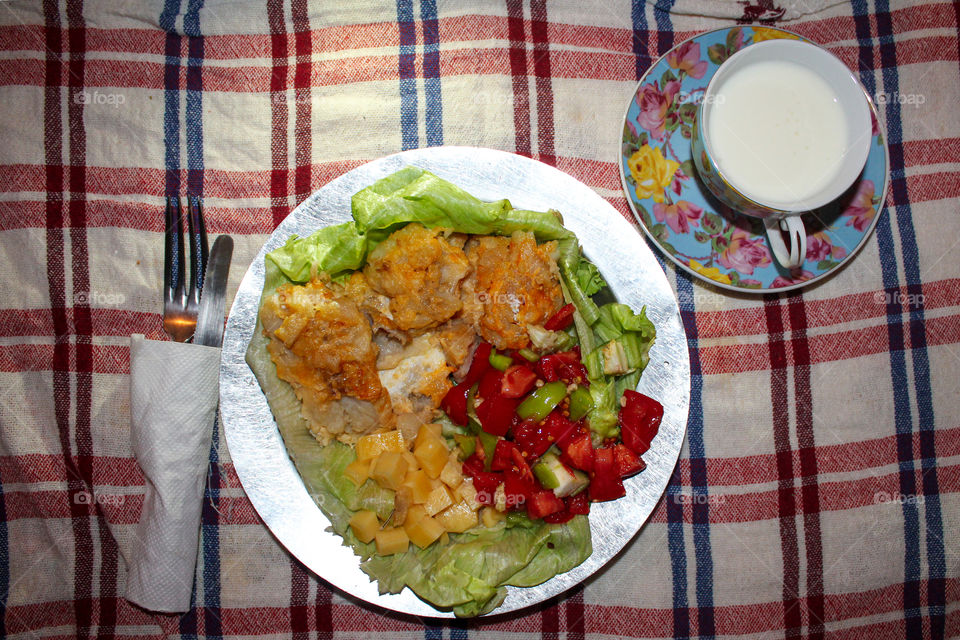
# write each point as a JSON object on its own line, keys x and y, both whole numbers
{"x": 629, "y": 266}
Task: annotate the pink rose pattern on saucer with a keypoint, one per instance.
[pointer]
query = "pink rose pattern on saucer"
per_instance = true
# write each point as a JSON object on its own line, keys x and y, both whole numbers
{"x": 682, "y": 217}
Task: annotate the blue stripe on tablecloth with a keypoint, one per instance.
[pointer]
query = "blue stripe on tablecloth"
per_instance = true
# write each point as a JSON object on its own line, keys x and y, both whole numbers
{"x": 936, "y": 563}
{"x": 4, "y": 563}
{"x": 431, "y": 72}
{"x": 194, "y": 109}
{"x": 408, "y": 78}
{"x": 638, "y": 15}
{"x": 898, "y": 368}
{"x": 431, "y": 632}
{"x": 171, "y": 97}
{"x": 661, "y": 13}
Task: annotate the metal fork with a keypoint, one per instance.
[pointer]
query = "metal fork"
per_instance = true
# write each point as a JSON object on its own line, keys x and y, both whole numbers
{"x": 181, "y": 296}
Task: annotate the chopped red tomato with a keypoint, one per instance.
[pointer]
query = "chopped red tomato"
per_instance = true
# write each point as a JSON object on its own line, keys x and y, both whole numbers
{"x": 518, "y": 488}
{"x": 558, "y": 429}
{"x": 561, "y": 319}
{"x": 517, "y": 381}
{"x": 564, "y": 365}
{"x": 454, "y": 404}
{"x": 497, "y": 414}
{"x": 578, "y": 451}
{"x": 578, "y": 505}
{"x": 490, "y": 384}
{"x": 503, "y": 455}
{"x": 639, "y": 420}
{"x": 543, "y": 503}
{"x": 486, "y": 485}
{"x": 605, "y": 482}
{"x": 474, "y": 463}
{"x": 479, "y": 365}
{"x": 628, "y": 462}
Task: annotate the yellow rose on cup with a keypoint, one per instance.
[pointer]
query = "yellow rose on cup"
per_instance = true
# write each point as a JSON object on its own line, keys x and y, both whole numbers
{"x": 761, "y": 34}
{"x": 710, "y": 272}
{"x": 651, "y": 172}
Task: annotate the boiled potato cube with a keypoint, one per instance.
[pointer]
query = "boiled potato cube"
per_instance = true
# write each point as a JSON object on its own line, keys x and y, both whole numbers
{"x": 468, "y": 494}
{"x": 436, "y": 428}
{"x": 372, "y": 445}
{"x": 431, "y": 452}
{"x": 451, "y": 474}
{"x": 402, "y": 501}
{"x": 445, "y": 539}
{"x": 420, "y": 485}
{"x": 358, "y": 471}
{"x": 439, "y": 500}
{"x": 490, "y": 516}
{"x": 411, "y": 460}
{"x": 424, "y": 531}
{"x": 458, "y": 518}
{"x": 388, "y": 469}
{"x": 391, "y": 541}
{"x": 414, "y": 513}
{"x": 365, "y": 525}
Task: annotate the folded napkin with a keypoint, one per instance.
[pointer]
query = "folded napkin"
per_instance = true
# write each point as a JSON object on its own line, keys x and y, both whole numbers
{"x": 173, "y": 401}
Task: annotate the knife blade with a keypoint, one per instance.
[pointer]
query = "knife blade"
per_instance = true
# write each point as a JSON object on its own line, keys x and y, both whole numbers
{"x": 209, "y": 329}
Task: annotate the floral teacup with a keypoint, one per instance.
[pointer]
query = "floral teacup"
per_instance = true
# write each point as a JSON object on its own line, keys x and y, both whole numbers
{"x": 803, "y": 162}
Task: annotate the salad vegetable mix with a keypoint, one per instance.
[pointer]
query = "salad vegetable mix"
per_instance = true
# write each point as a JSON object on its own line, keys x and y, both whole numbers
{"x": 495, "y": 490}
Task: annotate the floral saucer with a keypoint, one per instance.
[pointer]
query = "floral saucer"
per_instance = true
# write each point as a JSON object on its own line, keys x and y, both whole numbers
{"x": 701, "y": 235}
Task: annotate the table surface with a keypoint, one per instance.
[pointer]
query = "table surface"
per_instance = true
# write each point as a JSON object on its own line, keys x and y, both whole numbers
{"x": 818, "y": 490}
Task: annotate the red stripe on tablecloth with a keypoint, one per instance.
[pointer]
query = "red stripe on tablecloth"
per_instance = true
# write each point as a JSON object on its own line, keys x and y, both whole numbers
{"x": 872, "y": 490}
{"x": 278, "y": 112}
{"x": 299, "y": 581}
{"x": 303, "y": 131}
{"x": 104, "y": 321}
{"x": 809, "y": 494}
{"x": 595, "y": 65}
{"x": 756, "y": 618}
{"x": 233, "y": 46}
{"x": 549, "y": 615}
{"x": 828, "y": 312}
{"x": 232, "y": 185}
{"x": 56, "y": 275}
{"x": 518, "y": 73}
{"x": 842, "y": 345}
{"x": 543, "y": 81}
{"x": 786, "y": 500}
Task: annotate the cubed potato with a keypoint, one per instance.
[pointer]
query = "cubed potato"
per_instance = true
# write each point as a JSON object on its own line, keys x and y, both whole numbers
{"x": 451, "y": 474}
{"x": 371, "y": 446}
{"x": 468, "y": 494}
{"x": 458, "y": 517}
{"x": 391, "y": 541}
{"x": 365, "y": 525}
{"x": 389, "y": 469}
{"x": 424, "y": 531}
{"x": 420, "y": 485}
{"x": 490, "y": 516}
{"x": 436, "y": 428}
{"x": 445, "y": 539}
{"x": 414, "y": 513}
{"x": 439, "y": 500}
{"x": 431, "y": 452}
{"x": 357, "y": 471}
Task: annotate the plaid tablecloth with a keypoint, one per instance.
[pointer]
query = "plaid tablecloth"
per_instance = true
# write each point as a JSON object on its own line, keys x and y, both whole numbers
{"x": 818, "y": 492}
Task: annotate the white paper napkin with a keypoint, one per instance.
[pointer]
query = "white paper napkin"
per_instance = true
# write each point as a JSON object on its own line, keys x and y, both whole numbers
{"x": 173, "y": 400}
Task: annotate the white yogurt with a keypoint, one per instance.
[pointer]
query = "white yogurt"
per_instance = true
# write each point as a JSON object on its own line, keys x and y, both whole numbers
{"x": 777, "y": 131}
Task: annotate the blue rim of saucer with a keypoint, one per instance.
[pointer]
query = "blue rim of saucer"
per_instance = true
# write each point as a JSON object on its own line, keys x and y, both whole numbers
{"x": 686, "y": 223}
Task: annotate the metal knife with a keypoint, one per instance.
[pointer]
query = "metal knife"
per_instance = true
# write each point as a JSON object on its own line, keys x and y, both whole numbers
{"x": 209, "y": 329}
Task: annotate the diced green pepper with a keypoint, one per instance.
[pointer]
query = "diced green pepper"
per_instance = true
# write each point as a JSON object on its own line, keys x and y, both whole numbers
{"x": 529, "y": 355}
{"x": 542, "y": 401}
{"x": 499, "y": 361}
{"x": 467, "y": 444}
{"x": 489, "y": 443}
{"x": 580, "y": 403}
{"x": 553, "y": 474}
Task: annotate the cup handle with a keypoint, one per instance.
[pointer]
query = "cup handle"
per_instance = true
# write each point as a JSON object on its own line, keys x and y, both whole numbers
{"x": 796, "y": 255}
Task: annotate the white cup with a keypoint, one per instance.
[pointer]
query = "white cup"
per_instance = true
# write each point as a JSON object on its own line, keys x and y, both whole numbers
{"x": 778, "y": 153}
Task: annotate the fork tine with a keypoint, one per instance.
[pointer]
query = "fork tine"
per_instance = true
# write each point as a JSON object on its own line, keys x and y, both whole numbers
{"x": 198, "y": 246}
{"x": 172, "y": 253}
